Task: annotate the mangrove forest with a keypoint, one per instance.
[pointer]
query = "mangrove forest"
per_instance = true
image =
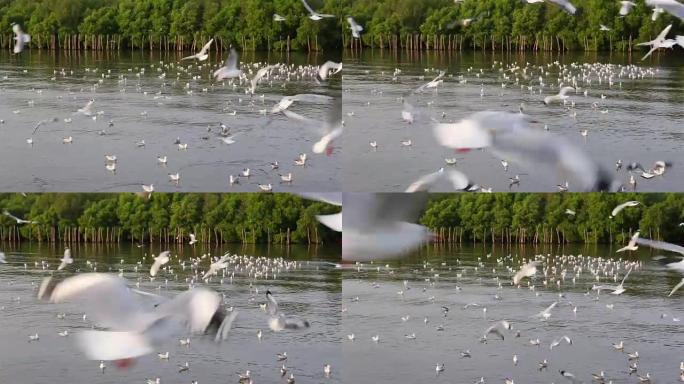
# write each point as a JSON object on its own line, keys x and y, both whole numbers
{"x": 164, "y": 218}
{"x": 172, "y": 25}
{"x": 554, "y": 218}
{"x": 507, "y": 25}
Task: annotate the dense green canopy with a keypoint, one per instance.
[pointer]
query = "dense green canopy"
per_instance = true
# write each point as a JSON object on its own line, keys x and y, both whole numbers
{"x": 481, "y": 215}
{"x": 142, "y": 21}
{"x": 496, "y": 20}
{"x": 232, "y": 214}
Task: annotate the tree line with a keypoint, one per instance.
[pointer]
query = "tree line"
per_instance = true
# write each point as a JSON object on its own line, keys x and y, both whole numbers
{"x": 171, "y": 24}
{"x": 543, "y": 218}
{"x": 166, "y": 218}
{"x": 504, "y": 25}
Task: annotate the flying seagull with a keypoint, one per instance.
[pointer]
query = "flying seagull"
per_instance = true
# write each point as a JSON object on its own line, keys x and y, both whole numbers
{"x": 128, "y": 328}
{"x": 201, "y": 55}
{"x": 20, "y": 37}
{"x": 230, "y": 67}
{"x": 66, "y": 260}
{"x": 527, "y": 270}
{"x": 278, "y": 321}
{"x": 160, "y": 260}
{"x": 18, "y": 220}
{"x": 622, "y": 206}
{"x": 356, "y": 29}
{"x": 315, "y": 16}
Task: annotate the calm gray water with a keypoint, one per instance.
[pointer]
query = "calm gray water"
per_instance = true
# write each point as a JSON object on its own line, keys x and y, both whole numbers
{"x": 312, "y": 291}
{"x": 432, "y": 278}
{"x": 643, "y": 120}
{"x": 157, "y": 111}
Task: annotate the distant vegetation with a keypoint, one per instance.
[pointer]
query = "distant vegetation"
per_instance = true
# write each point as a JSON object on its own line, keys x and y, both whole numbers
{"x": 542, "y": 218}
{"x": 504, "y": 25}
{"x": 214, "y": 218}
{"x": 171, "y": 24}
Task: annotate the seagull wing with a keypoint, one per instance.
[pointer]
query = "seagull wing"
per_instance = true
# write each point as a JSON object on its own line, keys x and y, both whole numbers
{"x": 622, "y": 206}
{"x": 308, "y": 8}
{"x": 271, "y": 304}
{"x": 333, "y": 221}
{"x": 676, "y": 287}
{"x": 333, "y": 198}
{"x": 673, "y": 7}
{"x": 195, "y": 308}
{"x": 105, "y": 298}
{"x": 458, "y": 180}
{"x": 660, "y": 245}
{"x": 205, "y": 48}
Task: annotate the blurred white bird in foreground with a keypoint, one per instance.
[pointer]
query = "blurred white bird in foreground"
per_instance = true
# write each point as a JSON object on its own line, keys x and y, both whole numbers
{"x": 510, "y": 138}
{"x": 133, "y": 327}
{"x": 382, "y": 226}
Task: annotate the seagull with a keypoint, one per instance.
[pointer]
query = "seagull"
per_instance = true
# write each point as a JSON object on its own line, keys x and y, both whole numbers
{"x": 278, "y": 18}
{"x": 193, "y": 240}
{"x": 201, "y": 55}
{"x": 20, "y": 37}
{"x": 356, "y": 29}
{"x": 266, "y": 187}
{"x": 458, "y": 181}
{"x": 66, "y": 260}
{"x": 160, "y": 260}
{"x": 626, "y": 7}
{"x": 510, "y": 138}
{"x": 315, "y": 16}
{"x": 216, "y": 266}
{"x": 381, "y": 226}
{"x": 259, "y": 75}
{"x": 230, "y": 67}
{"x": 673, "y": 7}
{"x": 2, "y": 258}
{"x": 546, "y": 313}
{"x": 18, "y": 220}
{"x": 560, "y": 97}
{"x": 278, "y": 321}
{"x": 658, "y": 42}
{"x": 527, "y": 270}
{"x": 618, "y": 208}
{"x": 128, "y": 329}
{"x": 570, "y": 377}
{"x": 494, "y": 329}
{"x": 87, "y": 110}
{"x": 325, "y": 70}
{"x": 679, "y": 266}
{"x": 632, "y": 245}
{"x": 604, "y": 28}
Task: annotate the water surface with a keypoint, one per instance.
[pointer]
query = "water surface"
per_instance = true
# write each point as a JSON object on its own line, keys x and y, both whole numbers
{"x": 128, "y": 90}
{"x": 453, "y": 277}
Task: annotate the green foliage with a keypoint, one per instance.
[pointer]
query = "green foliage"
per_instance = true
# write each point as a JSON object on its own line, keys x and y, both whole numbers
{"x": 481, "y": 215}
{"x": 234, "y": 215}
{"x": 498, "y": 19}
{"x": 141, "y": 21}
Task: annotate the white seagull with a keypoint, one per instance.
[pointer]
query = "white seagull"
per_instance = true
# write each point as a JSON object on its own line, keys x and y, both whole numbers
{"x": 66, "y": 260}
{"x": 201, "y": 55}
{"x": 20, "y": 37}
{"x": 356, "y": 29}
{"x": 230, "y": 67}
{"x": 315, "y": 16}
{"x": 278, "y": 321}
{"x": 618, "y": 208}
{"x": 160, "y": 260}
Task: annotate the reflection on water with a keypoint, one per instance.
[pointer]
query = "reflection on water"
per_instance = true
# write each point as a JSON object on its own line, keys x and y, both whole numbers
{"x": 638, "y": 120}
{"x": 148, "y": 96}
{"x": 408, "y": 297}
{"x": 312, "y": 291}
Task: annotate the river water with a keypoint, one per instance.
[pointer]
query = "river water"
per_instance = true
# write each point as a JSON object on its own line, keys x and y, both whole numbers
{"x": 643, "y": 317}
{"x": 41, "y": 85}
